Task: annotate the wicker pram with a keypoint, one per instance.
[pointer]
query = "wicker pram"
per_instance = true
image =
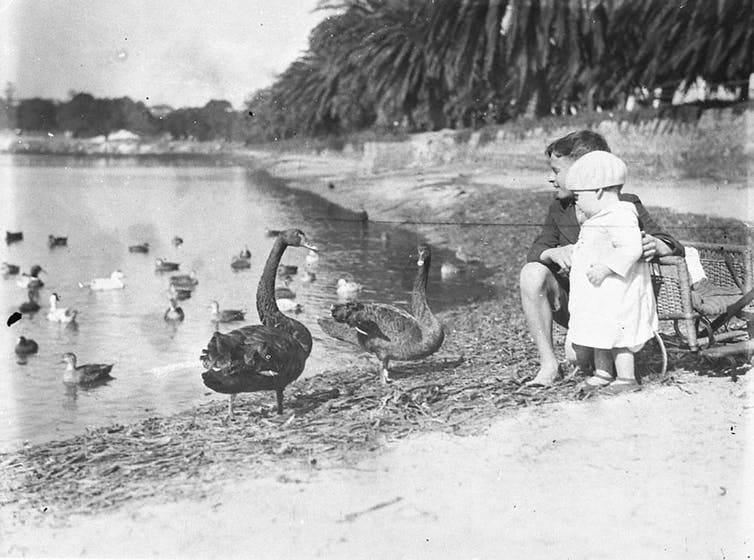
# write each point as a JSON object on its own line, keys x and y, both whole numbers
{"x": 714, "y": 310}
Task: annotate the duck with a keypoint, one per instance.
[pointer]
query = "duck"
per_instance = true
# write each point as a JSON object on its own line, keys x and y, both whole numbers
{"x": 13, "y": 236}
{"x": 184, "y": 281}
{"x": 140, "y": 248}
{"x": 53, "y": 241}
{"x": 245, "y": 253}
{"x": 26, "y": 346}
{"x": 448, "y": 270}
{"x": 312, "y": 258}
{"x": 87, "y": 374}
{"x": 31, "y": 280}
{"x": 306, "y": 275}
{"x": 10, "y": 269}
{"x": 31, "y": 305}
{"x": 115, "y": 282}
{"x": 387, "y": 331}
{"x": 285, "y": 292}
{"x": 177, "y": 241}
{"x": 347, "y": 288}
{"x": 289, "y": 305}
{"x": 162, "y": 265}
{"x": 240, "y": 263}
{"x": 462, "y": 256}
{"x": 287, "y": 270}
{"x": 174, "y": 312}
{"x": 60, "y": 314}
{"x": 264, "y": 357}
{"x": 225, "y": 315}
{"x": 178, "y": 293}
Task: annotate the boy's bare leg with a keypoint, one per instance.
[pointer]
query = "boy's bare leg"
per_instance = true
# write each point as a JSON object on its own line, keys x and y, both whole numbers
{"x": 540, "y": 292}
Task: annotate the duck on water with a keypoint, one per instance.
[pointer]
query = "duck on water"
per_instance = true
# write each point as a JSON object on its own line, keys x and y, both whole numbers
{"x": 265, "y": 357}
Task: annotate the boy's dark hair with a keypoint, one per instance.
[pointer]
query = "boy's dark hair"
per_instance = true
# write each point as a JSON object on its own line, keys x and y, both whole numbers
{"x": 576, "y": 144}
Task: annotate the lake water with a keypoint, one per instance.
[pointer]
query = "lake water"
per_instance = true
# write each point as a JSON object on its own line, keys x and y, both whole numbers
{"x": 105, "y": 205}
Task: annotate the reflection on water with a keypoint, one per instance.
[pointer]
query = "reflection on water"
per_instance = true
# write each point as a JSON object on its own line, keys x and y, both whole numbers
{"x": 104, "y": 206}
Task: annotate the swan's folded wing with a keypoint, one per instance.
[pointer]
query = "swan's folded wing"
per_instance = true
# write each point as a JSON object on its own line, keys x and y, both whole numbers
{"x": 337, "y": 330}
{"x": 385, "y": 321}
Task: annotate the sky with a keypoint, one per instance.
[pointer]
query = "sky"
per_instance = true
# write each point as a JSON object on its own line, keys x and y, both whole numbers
{"x": 178, "y": 52}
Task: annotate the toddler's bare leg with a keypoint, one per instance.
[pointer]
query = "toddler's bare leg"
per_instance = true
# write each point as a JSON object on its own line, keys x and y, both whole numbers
{"x": 603, "y": 363}
{"x": 624, "y": 365}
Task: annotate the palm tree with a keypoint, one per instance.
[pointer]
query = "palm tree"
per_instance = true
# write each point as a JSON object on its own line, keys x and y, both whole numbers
{"x": 711, "y": 39}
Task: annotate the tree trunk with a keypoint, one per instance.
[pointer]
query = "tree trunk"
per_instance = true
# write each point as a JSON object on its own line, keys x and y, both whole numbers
{"x": 435, "y": 105}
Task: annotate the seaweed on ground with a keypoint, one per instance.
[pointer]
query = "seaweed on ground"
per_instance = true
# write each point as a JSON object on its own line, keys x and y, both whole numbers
{"x": 329, "y": 418}
{"x": 332, "y": 417}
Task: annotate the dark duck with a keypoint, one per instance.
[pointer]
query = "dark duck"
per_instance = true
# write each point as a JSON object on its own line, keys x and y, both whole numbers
{"x": 387, "y": 331}
{"x": 87, "y": 374}
{"x": 266, "y": 357}
{"x": 26, "y": 346}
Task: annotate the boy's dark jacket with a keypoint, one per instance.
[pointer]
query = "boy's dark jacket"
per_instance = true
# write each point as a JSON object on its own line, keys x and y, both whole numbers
{"x": 562, "y": 228}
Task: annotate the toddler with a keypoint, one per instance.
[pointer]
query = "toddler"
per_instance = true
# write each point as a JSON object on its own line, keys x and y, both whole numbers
{"x": 612, "y": 305}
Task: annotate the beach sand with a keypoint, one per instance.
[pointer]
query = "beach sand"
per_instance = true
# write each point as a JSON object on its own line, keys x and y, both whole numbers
{"x": 662, "y": 473}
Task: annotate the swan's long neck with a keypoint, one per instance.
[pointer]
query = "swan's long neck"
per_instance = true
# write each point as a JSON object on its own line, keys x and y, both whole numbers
{"x": 419, "y": 305}
{"x": 267, "y": 307}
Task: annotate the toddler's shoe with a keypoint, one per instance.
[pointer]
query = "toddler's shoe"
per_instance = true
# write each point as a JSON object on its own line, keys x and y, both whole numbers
{"x": 619, "y": 386}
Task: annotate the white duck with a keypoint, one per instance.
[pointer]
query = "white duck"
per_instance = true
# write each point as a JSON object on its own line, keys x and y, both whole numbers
{"x": 115, "y": 282}
{"x": 312, "y": 258}
{"x": 289, "y": 305}
{"x": 347, "y": 288}
{"x": 60, "y": 314}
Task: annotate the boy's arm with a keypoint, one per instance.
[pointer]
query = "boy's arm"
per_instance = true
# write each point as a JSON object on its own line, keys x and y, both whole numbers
{"x": 548, "y": 238}
{"x": 656, "y": 243}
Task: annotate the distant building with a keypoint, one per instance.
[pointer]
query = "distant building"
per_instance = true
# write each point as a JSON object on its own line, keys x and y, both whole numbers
{"x": 161, "y": 111}
{"x": 123, "y": 136}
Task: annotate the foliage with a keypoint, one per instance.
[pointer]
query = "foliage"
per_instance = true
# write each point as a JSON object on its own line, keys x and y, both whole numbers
{"x": 429, "y": 64}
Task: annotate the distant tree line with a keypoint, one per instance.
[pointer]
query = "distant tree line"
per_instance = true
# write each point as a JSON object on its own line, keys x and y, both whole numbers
{"x": 418, "y": 65}
{"x": 429, "y": 64}
{"x": 85, "y": 116}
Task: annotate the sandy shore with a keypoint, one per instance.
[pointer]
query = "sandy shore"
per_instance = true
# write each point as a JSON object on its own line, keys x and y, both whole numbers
{"x": 663, "y": 473}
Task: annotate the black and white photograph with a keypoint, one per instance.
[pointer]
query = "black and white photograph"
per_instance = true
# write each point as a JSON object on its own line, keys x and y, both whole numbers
{"x": 377, "y": 279}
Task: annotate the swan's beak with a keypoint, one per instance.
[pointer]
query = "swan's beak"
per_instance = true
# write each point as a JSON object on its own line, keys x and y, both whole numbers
{"x": 307, "y": 245}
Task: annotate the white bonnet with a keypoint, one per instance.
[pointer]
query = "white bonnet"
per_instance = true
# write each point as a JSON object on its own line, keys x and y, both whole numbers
{"x": 596, "y": 170}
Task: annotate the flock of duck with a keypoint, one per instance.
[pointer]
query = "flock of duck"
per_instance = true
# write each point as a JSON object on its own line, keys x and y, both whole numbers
{"x": 272, "y": 354}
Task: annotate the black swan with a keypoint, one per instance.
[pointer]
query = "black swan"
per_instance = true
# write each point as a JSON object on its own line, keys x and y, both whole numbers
{"x": 388, "y": 332}
{"x": 264, "y": 357}
{"x": 87, "y": 374}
